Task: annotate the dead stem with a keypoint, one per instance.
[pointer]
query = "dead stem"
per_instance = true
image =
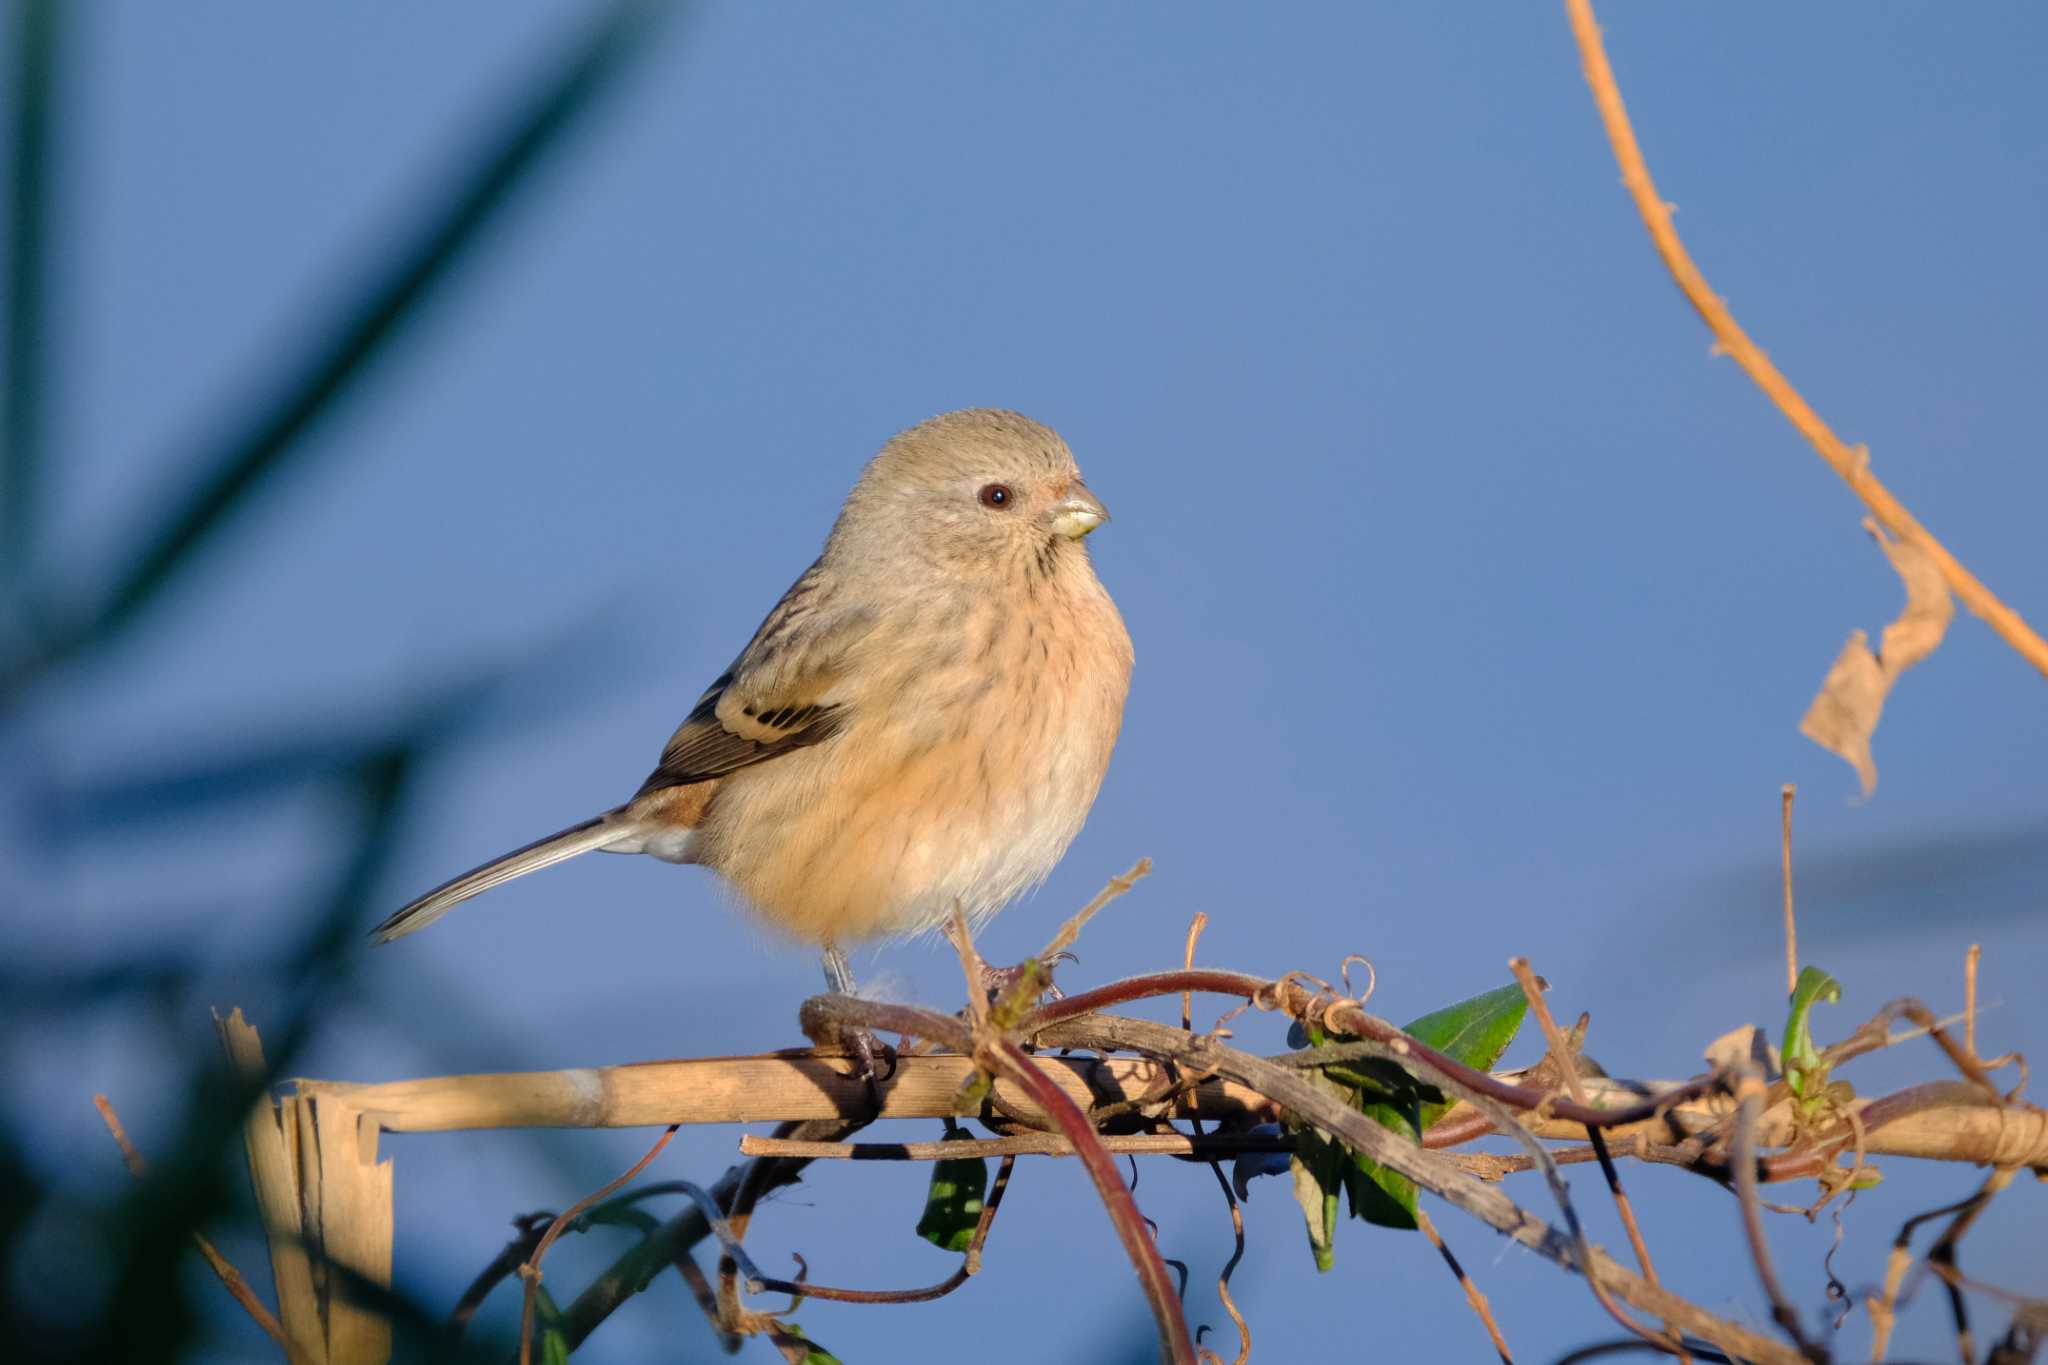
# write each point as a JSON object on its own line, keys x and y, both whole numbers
{"x": 1785, "y": 862}
{"x": 1970, "y": 960}
{"x": 1851, "y": 465}
{"x": 1187, "y": 998}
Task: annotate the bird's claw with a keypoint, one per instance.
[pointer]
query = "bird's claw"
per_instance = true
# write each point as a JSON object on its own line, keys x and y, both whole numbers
{"x": 866, "y": 1051}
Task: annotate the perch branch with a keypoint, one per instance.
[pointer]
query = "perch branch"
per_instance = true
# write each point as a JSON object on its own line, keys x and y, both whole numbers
{"x": 1945, "y": 1120}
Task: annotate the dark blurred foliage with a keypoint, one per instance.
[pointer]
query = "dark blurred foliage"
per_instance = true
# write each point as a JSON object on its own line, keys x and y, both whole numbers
{"x": 148, "y": 1297}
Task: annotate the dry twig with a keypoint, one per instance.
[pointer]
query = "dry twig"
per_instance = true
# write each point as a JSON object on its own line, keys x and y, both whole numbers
{"x": 1785, "y": 861}
{"x": 1472, "y": 1294}
{"x": 1852, "y": 465}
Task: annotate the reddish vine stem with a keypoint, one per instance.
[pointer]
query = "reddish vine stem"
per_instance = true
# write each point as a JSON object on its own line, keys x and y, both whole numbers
{"x": 530, "y": 1270}
{"x": 1174, "y": 1343}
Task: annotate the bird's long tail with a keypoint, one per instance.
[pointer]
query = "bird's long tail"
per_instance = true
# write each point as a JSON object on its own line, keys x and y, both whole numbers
{"x": 591, "y": 834}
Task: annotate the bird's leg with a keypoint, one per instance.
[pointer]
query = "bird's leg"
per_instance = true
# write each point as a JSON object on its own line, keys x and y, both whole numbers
{"x": 864, "y": 1046}
{"x": 838, "y": 971}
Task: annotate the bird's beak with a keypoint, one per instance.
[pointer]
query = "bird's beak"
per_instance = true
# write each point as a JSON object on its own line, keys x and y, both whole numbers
{"x": 1078, "y": 513}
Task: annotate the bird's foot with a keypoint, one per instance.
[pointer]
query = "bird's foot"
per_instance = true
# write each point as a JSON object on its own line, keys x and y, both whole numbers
{"x": 862, "y": 1046}
{"x": 874, "y": 1063}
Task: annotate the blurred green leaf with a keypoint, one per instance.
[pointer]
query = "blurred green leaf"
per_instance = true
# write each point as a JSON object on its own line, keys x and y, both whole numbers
{"x": 268, "y": 439}
{"x": 502, "y": 694}
{"x": 952, "y": 1204}
{"x": 36, "y": 53}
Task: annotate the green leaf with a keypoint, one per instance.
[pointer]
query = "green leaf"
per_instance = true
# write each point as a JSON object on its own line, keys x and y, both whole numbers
{"x": 1380, "y": 1196}
{"x": 952, "y": 1206}
{"x": 1318, "y": 1169}
{"x": 1475, "y": 1032}
{"x": 1806, "y": 1073}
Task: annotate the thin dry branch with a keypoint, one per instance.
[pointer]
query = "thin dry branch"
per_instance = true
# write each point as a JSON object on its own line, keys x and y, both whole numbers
{"x": 230, "y": 1278}
{"x": 1970, "y": 961}
{"x": 1851, "y": 464}
{"x": 1477, "y": 1300}
{"x": 1785, "y": 799}
{"x": 1567, "y": 1064}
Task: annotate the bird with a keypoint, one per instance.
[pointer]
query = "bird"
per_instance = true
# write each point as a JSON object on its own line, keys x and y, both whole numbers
{"x": 921, "y": 723}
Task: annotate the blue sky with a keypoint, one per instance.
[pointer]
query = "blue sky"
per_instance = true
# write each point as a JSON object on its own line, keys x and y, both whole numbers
{"x": 1475, "y": 602}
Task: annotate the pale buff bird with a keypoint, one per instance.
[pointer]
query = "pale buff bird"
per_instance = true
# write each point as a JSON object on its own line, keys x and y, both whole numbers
{"x": 922, "y": 722}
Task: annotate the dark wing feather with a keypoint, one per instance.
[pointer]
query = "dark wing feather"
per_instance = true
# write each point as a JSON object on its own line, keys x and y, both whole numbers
{"x": 774, "y": 697}
{"x": 703, "y": 747}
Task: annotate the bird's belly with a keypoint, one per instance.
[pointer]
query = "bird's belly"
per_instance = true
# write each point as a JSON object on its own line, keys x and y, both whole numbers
{"x": 883, "y": 831}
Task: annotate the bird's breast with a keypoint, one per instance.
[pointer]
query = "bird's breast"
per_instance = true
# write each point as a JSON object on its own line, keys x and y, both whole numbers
{"x": 974, "y": 749}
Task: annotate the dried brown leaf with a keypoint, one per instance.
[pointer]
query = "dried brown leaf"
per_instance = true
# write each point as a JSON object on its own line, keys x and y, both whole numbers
{"x": 1844, "y": 716}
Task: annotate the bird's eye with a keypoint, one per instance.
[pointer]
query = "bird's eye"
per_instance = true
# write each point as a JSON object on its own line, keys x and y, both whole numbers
{"x": 995, "y": 495}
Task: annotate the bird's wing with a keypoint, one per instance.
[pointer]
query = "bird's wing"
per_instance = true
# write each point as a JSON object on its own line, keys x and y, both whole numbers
{"x": 784, "y": 692}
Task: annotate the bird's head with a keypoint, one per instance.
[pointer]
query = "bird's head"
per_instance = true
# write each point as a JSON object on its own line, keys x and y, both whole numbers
{"x": 972, "y": 493}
